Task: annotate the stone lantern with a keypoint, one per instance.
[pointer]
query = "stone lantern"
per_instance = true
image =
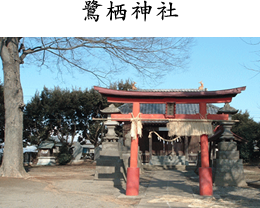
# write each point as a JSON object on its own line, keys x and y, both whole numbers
{"x": 228, "y": 167}
{"x": 227, "y": 125}
{"x": 227, "y": 109}
{"x": 111, "y": 134}
{"x": 109, "y": 165}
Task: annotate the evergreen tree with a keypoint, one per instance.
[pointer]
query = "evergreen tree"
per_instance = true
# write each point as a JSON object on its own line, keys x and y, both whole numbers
{"x": 248, "y": 129}
{"x": 67, "y": 113}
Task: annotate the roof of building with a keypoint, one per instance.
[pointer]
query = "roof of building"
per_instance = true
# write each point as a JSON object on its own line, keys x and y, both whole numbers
{"x": 46, "y": 145}
{"x": 88, "y": 146}
{"x": 31, "y": 148}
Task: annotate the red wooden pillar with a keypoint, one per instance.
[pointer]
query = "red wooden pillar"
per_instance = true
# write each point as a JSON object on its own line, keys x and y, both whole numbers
{"x": 205, "y": 172}
{"x": 132, "y": 183}
{"x": 203, "y": 110}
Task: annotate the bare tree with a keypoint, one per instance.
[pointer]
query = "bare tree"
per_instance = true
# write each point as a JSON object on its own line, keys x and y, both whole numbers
{"x": 256, "y": 66}
{"x": 151, "y": 57}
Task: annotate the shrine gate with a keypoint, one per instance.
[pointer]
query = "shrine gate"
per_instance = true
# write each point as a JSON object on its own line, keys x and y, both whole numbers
{"x": 188, "y": 121}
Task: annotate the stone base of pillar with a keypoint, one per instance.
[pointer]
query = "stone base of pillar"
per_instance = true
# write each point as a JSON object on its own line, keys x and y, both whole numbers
{"x": 109, "y": 166}
{"x": 229, "y": 169}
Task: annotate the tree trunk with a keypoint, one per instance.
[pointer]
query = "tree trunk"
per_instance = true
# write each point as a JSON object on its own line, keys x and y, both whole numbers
{"x": 12, "y": 165}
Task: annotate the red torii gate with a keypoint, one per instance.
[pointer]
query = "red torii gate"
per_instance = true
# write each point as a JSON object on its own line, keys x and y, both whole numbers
{"x": 184, "y": 97}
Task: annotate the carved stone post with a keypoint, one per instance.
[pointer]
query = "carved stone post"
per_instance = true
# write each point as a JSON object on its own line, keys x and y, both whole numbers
{"x": 111, "y": 134}
{"x": 109, "y": 165}
{"x": 229, "y": 168}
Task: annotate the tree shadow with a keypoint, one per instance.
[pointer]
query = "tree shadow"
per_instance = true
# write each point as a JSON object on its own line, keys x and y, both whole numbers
{"x": 178, "y": 183}
{"x": 27, "y": 168}
{"x": 247, "y": 196}
{"x": 188, "y": 182}
{"x": 240, "y": 195}
{"x": 110, "y": 168}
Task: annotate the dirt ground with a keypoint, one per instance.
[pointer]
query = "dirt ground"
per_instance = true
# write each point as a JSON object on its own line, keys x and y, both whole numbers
{"x": 235, "y": 197}
{"x": 61, "y": 186}
{"x": 74, "y": 186}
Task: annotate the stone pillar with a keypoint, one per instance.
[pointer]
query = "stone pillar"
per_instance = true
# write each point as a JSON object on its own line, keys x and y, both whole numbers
{"x": 229, "y": 169}
{"x": 77, "y": 153}
{"x": 109, "y": 166}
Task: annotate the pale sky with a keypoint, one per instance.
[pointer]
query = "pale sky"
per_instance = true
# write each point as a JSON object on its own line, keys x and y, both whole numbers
{"x": 218, "y": 62}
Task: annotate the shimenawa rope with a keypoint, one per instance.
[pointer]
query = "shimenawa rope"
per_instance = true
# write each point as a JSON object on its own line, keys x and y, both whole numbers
{"x": 167, "y": 140}
{"x": 136, "y": 126}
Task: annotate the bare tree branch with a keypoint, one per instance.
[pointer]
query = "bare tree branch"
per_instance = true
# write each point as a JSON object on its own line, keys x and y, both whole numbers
{"x": 146, "y": 55}
{"x": 253, "y": 42}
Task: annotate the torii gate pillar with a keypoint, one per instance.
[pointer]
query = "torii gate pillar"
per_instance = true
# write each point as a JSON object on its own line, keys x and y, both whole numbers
{"x": 205, "y": 172}
{"x": 132, "y": 184}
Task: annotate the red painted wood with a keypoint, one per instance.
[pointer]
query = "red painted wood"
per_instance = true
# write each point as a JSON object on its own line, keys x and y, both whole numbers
{"x": 153, "y": 116}
{"x": 205, "y": 172}
{"x": 187, "y": 116}
{"x": 122, "y": 117}
{"x": 205, "y": 181}
{"x": 203, "y": 110}
{"x": 165, "y": 100}
{"x": 217, "y": 116}
{"x": 132, "y": 184}
{"x": 204, "y": 146}
{"x": 143, "y": 116}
